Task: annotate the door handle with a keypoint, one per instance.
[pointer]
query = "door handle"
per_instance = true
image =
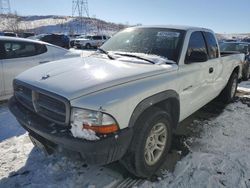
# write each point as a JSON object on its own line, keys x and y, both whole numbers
{"x": 41, "y": 62}
{"x": 211, "y": 69}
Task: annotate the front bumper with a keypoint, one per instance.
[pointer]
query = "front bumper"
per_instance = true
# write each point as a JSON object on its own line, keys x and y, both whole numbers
{"x": 103, "y": 151}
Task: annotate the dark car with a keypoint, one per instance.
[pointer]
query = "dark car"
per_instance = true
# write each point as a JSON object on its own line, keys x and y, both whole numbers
{"x": 8, "y": 34}
{"x": 26, "y": 34}
{"x": 242, "y": 47}
{"x": 56, "y": 39}
{"x": 246, "y": 40}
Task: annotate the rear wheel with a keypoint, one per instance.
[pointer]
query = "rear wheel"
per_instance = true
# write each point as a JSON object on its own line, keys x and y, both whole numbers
{"x": 229, "y": 91}
{"x": 87, "y": 46}
{"x": 150, "y": 144}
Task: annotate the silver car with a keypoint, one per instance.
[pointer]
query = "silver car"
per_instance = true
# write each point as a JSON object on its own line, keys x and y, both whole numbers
{"x": 17, "y": 55}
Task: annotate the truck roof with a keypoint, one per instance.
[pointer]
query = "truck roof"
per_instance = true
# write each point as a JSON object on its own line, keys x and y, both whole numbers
{"x": 180, "y": 27}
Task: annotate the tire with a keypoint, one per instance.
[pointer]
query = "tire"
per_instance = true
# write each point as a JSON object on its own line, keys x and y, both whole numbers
{"x": 87, "y": 46}
{"x": 245, "y": 72}
{"x": 228, "y": 93}
{"x": 148, "y": 149}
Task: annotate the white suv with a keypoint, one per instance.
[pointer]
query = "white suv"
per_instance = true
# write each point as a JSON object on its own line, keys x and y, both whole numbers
{"x": 91, "y": 41}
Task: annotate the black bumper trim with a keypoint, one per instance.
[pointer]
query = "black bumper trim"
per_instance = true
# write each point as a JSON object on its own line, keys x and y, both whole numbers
{"x": 103, "y": 151}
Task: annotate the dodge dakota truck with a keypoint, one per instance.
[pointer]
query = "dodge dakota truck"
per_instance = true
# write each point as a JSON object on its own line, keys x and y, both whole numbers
{"x": 124, "y": 101}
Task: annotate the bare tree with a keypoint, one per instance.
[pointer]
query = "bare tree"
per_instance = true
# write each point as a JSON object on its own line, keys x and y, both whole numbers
{"x": 13, "y": 22}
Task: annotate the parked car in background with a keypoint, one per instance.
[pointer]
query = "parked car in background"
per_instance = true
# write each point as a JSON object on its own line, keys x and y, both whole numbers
{"x": 241, "y": 47}
{"x": 73, "y": 39}
{"x": 18, "y": 54}
{"x": 8, "y": 34}
{"x": 26, "y": 34}
{"x": 230, "y": 40}
{"x": 246, "y": 40}
{"x": 56, "y": 39}
{"x": 91, "y": 41}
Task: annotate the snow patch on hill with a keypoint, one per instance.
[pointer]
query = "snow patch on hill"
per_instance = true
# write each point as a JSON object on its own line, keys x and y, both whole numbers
{"x": 58, "y": 24}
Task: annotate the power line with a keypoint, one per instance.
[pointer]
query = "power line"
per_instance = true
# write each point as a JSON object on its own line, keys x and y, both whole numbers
{"x": 5, "y": 7}
{"x": 80, "y": 8}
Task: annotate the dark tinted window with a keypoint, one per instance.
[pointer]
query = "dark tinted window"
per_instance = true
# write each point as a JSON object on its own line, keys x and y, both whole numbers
{"x": 2, "y": 51}
{"x": 47, "y": 38}
{"x": 212, "y": 46}
{"x": 40, "y": 48}
{"x": 10, "y": 34}
{"x": 97, "y": 37}
{"x": 196, "y": 43}
{"x": 104, "y": 37}
{"x": 22, "y": 49}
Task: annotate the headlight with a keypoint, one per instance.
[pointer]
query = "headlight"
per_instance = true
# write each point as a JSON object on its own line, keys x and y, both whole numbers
{"x": 93, "y": 120}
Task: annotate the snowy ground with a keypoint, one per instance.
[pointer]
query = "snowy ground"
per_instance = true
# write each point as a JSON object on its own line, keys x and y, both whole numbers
{"x": 217, "y": 138}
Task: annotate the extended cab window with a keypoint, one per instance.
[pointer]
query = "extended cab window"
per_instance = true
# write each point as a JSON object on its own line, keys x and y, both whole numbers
{"x": 213, "y": 50}
{"x": 196, "y": 44}
{"x": 22, "y": 49}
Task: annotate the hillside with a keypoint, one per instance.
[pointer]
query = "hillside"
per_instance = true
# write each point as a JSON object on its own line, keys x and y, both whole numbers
{"x": 57, "y": 24}
{"x": 71, "y": 25}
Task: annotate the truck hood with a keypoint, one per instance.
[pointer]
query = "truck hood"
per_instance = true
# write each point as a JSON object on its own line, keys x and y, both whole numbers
{"x": 76, "y": 77}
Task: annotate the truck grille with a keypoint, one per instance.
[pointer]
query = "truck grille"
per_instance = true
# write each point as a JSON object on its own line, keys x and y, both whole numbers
{"x": 49, "y": 106}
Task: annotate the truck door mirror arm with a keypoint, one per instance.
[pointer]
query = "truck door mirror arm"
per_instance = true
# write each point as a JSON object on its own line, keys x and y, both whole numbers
{"x": 195, "y": 57}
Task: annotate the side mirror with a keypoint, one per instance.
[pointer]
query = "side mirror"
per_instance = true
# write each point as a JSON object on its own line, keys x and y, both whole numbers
{"x": 246, "y": 50}
{"x": 196, "y": 56}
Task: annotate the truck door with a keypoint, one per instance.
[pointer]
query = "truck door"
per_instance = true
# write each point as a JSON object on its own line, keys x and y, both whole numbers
{"x": 214, "y": 69}
{"x": 193, "y": 89}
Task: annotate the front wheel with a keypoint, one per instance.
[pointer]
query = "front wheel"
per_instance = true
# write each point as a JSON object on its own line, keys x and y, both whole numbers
{"x": 229, "y": 92}
{"x": 150, "y": 144}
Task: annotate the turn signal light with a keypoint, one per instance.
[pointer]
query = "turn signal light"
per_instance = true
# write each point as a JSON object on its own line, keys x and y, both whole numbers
{"x": 104, "y": 129}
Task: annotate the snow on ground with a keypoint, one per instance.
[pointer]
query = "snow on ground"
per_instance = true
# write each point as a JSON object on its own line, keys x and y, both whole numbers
{"x": 219, "y": 157}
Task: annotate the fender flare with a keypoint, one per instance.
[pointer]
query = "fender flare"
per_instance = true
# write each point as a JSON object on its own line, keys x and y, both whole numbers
{"x": 152, "y": 100}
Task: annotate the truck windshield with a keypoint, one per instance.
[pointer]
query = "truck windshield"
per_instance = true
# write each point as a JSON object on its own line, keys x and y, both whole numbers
{"x": 162, "y": 42}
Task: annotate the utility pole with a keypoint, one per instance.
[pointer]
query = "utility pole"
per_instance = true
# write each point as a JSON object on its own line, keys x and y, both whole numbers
{"x": 80, "y": 9}
{"x": 5, "y": 7}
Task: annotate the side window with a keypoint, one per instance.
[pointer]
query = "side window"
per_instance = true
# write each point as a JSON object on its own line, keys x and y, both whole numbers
{"x": 97, "y": 37}
{"x": 2, "y": 51}
{"x": 40, "y": 49}
{"x": 196, "y": 44}
{"x": 104, "y": 38}
{"x": 22, "y": 49}
{"x": 46, "y": 38}
{"x": 213, "y": 50}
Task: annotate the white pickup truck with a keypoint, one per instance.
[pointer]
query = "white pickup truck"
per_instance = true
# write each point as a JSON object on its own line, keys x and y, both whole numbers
{"x": 124, "y": 101}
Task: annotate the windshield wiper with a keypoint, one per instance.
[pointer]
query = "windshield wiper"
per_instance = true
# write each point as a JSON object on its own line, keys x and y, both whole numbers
{"x": 136, "y": 56}
{"x": 105, "y": 52}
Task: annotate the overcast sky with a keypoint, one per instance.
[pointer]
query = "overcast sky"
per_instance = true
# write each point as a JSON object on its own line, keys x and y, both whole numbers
{"x": 223, "y": 16}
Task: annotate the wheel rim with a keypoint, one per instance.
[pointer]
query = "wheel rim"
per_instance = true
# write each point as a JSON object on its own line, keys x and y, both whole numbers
{"x": 234, "y": 87}
{"x": 155, "y": 143}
